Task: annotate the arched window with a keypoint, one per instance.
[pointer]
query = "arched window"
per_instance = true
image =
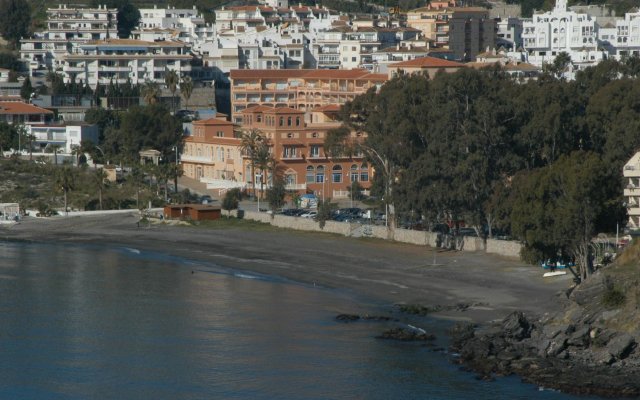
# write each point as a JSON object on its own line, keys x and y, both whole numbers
{"x": 281, "y": 121}
{"x": 354, "y": 173}
{"x": 297, "y": 121}
{"x": 336, "y": 175}
{"x": 364, "y": 173}
{"x": 310, "y": 174}
{"x": 320, "y": 174}
{"x": 289, "y": 121}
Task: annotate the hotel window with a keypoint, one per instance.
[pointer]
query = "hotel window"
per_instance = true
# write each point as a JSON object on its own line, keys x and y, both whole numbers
{"x": 354, "y": 173}
{"x": 258, "y": 118}
{"x": 297, "y": 121}
{"x": 290, "y": 179}
{"x": 364, "y": 173}
{"x": 288, "y": 152}
{"x": 314, "y": 151}
{"x": 320, "y": 174}
{"x": 310, "y": 174}
{"x": 220, "y": 134}
{"x": 337, "y": 174}
{"x": 289, "y": 121}
{"x": 281, "y": 121}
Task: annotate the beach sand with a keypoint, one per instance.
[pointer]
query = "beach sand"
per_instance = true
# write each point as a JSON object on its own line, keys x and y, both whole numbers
{"x": 384, "y": 271}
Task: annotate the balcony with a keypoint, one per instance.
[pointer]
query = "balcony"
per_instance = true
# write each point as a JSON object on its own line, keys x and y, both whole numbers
{"x": 197, "y": 159}
{"x": 632, "y": 191}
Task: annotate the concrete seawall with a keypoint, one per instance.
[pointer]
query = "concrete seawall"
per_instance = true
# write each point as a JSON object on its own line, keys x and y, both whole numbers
{"x": 422, "y": 238}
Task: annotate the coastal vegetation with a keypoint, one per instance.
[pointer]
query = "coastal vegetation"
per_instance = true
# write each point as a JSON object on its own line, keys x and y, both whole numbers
{"x": 540, "y": 160}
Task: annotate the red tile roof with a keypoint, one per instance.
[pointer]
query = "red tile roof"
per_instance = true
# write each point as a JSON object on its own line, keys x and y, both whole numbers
{"x": 283, "y": 110}
{"x": 255, "y": 109}
{"x": 428, "y": 62}
{"x": 213, "y": 121}
{"x": 328, "y": 108}
{"x": 18, "y": 107}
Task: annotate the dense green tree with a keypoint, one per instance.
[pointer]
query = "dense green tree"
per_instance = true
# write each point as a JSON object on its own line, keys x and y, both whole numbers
{"x": 276, "y": 194}
{"x": 558, "y": 209}
{"x": 10, "y": 60}
{"x": 128, "y": 15}
{"x": 231, "y": 200}
{"x": 26, "y": 89}
{"x": 15, "y": 20}
{"x": 8, "y": 135}
{"x": 150, "y": 127}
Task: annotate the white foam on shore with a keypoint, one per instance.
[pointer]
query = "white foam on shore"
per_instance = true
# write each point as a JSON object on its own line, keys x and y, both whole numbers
{"x": 132, "y": 250}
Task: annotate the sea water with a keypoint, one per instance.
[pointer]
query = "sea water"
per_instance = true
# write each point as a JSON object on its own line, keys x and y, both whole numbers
{"x": 95, "y": 322}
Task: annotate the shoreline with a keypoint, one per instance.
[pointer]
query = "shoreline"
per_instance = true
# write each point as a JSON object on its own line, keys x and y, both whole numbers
{"x": 488, "y": 287}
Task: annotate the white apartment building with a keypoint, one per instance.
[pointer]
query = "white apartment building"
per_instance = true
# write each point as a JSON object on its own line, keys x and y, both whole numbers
{"x": 624, "y": 38}
{"x": 509, "y": 33}
{"x": 67, "y": 28}
{"x": 548, "y": 34}
{"x": 631, "y": 173}
{"x": 181, "y": 24}
{"x": 65, "y": 135}
{"x": 122, "y": 60}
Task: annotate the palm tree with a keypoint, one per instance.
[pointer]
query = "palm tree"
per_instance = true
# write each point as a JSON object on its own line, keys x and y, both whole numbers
{"x": 76, "y": 151}
{"x": 250, "y": 141}
{"x": 171, "y": 79}
{"x": 65, "y": 180}
{"x": 99, "y": 178}
{"x": 265, "y": 161}
{"x": 150, "y": 92}
{"x": 55, "y": 148}
{"x": 186, "y": 88}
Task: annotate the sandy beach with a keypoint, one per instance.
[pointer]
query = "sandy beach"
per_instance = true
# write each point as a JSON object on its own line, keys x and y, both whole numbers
{"x": 384, "y": 271}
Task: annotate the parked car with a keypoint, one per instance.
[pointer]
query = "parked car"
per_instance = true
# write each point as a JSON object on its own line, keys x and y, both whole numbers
{"x": 309, "y": 214}
{"x": 293, "y": 212}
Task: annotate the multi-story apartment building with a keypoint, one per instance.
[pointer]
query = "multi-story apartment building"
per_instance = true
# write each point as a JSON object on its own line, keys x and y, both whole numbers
{"x": 298, "y": 89}
{"x": 548, "y": 34}
{"x": 122, "y": 60}
{"x": 297, "y": 139}
{"x": 185, "y": 24}
{"x": 509, "y": 33}
{"x": 212, "y": 153}
{"x": 623, "y": 40}
{"x": 67, "y": 28}
{"x": 466, "y": 31}
{"x": 631, "y": 173}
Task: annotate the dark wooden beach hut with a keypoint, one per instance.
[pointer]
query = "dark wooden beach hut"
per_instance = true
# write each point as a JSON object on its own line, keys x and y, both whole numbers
{"x": 195, "y": 212}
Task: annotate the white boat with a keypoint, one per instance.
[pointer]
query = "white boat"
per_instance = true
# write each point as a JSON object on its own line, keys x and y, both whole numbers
{"x": 554, "y": 273}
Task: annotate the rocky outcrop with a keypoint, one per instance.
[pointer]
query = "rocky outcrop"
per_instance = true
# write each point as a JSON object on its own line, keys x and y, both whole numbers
{"x": 577, "y": 357}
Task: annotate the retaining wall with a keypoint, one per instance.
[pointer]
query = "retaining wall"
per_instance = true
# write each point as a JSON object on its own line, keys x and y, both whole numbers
{"x": 421, "y": 238}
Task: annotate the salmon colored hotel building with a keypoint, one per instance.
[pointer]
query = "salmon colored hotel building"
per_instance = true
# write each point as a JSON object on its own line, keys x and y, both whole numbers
{"x": 297, "y": 139}
{"x": 212, "y": 152}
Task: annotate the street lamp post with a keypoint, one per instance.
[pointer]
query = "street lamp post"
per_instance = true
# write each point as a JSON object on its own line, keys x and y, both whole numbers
{"x": 324, "y": 178}
{"x": 175, "y": 177}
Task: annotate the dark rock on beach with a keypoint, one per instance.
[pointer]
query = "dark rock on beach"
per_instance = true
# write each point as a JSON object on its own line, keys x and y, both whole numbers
{"x": 577, "y": 359}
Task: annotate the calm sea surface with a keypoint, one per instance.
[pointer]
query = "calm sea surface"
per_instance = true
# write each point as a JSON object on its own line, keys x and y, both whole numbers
{"x": 84, "y": 322}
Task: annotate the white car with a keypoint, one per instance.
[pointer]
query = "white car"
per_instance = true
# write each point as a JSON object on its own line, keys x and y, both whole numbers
{"x": 310, "y": 214}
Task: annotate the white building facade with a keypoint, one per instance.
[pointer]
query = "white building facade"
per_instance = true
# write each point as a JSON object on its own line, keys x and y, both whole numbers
{"x": 548, "y": 34}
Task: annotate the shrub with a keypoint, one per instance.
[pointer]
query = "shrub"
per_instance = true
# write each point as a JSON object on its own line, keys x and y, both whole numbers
{"x": 613, "y": 297}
